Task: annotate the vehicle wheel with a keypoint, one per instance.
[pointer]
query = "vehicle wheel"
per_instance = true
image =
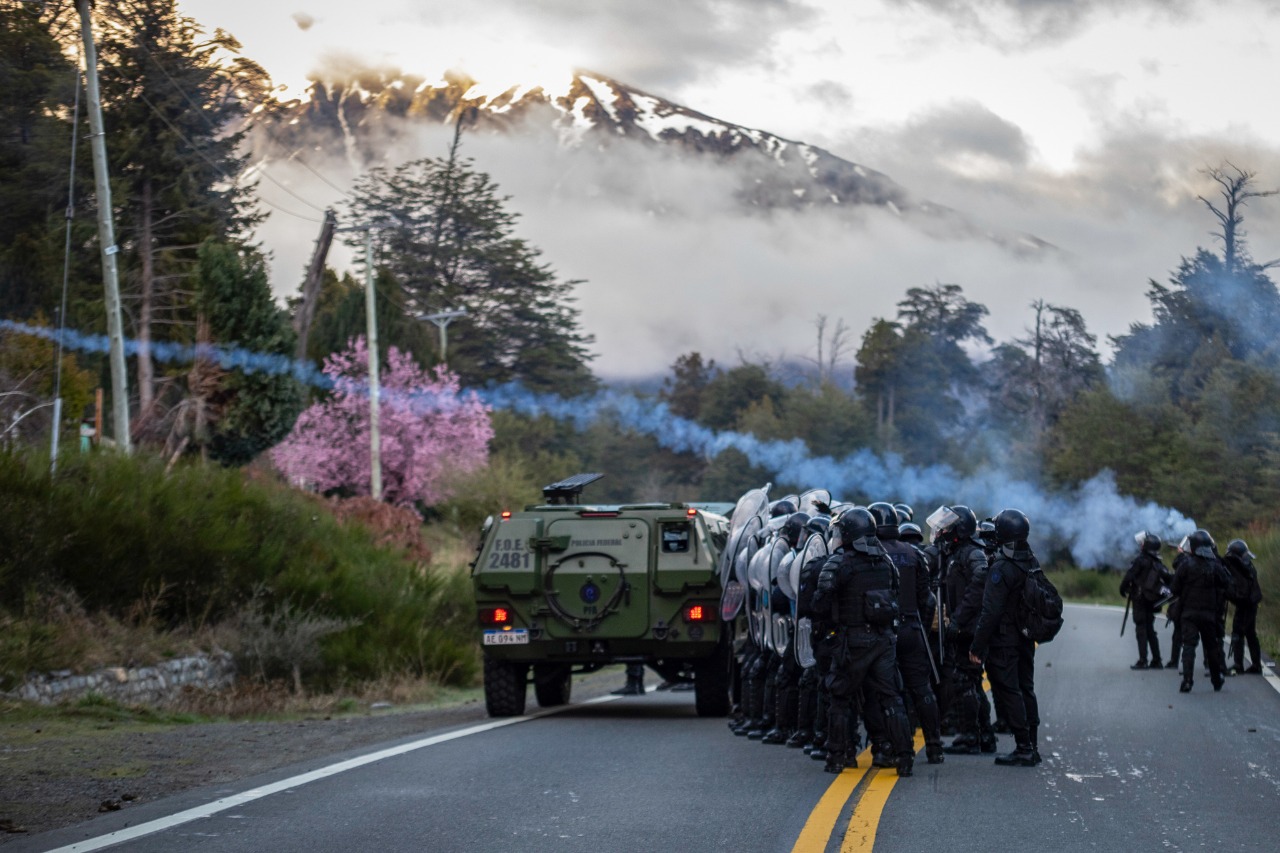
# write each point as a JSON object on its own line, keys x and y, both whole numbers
{"x": 552, "y": 684}
{"x": 504, "y": 687}
{"x": 711, "y": 683}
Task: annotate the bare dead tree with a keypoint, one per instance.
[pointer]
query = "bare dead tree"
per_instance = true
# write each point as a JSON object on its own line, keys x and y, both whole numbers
{"x": 829, "y": 354}
{"x": 1236, "y": 188}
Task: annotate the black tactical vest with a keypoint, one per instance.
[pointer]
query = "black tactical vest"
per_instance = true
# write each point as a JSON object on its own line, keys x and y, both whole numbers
{"x": 911, "y": 574}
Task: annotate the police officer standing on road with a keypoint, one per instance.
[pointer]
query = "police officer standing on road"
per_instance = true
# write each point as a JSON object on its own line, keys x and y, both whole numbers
{"x": 1201, "y": 586}
{"x": 1246, "y": 596}
{"x": 915, "y": 606}
{"x": 1010, "y": 657}
{"x": 964, "y": 577}
{"x": 1146, "y": 584}
{"x": 859, "y": 589}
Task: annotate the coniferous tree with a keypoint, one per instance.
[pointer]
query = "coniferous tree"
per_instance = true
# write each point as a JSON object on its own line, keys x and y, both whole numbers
{"x": 448, "y": 239}
{"x": 173, "y": 99}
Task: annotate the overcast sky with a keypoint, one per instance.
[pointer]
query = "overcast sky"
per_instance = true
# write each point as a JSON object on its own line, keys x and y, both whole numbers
{"x": 1085, "y": 123}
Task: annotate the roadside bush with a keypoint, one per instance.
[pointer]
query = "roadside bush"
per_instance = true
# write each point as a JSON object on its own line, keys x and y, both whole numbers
{"x": 201, "y": 544}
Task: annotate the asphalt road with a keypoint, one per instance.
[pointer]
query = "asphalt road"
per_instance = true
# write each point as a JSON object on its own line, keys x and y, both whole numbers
{"x": 1130, "y": 764}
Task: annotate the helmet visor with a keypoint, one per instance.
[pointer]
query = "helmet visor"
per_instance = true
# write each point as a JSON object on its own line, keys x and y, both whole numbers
{"x": 940, "y": 519}
{"x": 1140, "y": 537}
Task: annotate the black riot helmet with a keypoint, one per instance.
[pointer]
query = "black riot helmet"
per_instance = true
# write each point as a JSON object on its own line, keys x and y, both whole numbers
{"x": 905, "y": 513}
{"x": 1147, "y": 541}
{"x": 855, "y": 524}
{"x": 793, "y": 531}
{"x": 966, "y": 524}
{"x": 1201, "y": 543}
{"x": 1011, "y": 525}
{"x": 886, "y": 518}
{"x": 1238, "y": 549}
{"x": 818, "y": 524}
{"x": 781, "y": 507}
{"x": 987, "y": 533}
{"x": 909, "y": 532}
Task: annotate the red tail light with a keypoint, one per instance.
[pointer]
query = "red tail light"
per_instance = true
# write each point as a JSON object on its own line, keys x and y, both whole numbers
{"x": 495, "y": 616}
{"x": 698, "y": 613}
{"x": 691, "y": 512}
{"x": 506, "y": 515}
{"x": 588, "y": 513}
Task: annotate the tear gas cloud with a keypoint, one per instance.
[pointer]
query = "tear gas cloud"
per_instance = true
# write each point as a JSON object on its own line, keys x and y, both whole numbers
{"x": 1094, "y": 521}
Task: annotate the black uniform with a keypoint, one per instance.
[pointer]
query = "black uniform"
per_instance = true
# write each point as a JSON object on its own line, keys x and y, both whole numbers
{"x": 964, "y": 581}
{"x": 1010, "y": 657}
{"x": 1143, "y": 583}
{"x": 1247, "y": 595}
{"x": 915, "y": 608}
{"x": 859, "y": 589}
{"x": 1201, "y": 586}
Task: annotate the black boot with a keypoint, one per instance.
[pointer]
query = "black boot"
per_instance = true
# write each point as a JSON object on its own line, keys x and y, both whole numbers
{"x": 1023, "y": 756}
{"x": 1173, "y": 663}
{"x": 837, "y": 762}
{"x": 882, "y": 755}
{"x": 933, "y": 753}
{"x": 1141, "y": 664}
{"x": 775, "y": 735}
{"x": 1185, "y": 687}
{"x": 905, "y": 763}
{"x": 987, "y": 742}
{"x": 963, "y": 745}
{"x": 799, "y": 739}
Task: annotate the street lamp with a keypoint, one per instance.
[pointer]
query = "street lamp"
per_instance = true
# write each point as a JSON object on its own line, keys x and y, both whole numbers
{"x": 442, "y": 321}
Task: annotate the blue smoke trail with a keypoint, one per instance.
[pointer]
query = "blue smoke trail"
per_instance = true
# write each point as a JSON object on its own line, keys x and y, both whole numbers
{"x": 1094, "y": 521}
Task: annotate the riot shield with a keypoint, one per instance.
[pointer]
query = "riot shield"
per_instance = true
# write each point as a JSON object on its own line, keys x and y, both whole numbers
{"x": 781, "y": 633}
{"x": 814, "y": 547}
{"x": 810, "y": 500}
{"x": 731, "y": 601}
{"x": 778, "y": 553}
{"x": 749, "y": 506}
{"x": 784, "y": 574}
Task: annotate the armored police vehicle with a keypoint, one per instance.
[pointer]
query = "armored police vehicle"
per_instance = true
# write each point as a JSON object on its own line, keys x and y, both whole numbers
{"x": 563, "y": 587}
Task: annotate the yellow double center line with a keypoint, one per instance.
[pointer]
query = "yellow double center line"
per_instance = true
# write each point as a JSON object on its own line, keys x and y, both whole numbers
{"x": 865, "y": 819}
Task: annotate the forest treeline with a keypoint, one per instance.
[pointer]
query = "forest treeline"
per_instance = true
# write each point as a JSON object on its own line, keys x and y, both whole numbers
{"x": 1184, "y": 410}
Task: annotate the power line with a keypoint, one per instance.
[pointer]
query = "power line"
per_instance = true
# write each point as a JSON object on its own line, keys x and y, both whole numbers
{"x": 223, "y": 172}
{"x": 186, "y": 95}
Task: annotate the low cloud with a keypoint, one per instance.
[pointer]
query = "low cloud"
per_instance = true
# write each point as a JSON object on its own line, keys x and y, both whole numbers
{"x": 1016, "y": 23}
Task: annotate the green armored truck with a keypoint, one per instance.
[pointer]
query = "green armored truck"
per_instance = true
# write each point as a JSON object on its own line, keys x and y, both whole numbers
{"x": 563, "y": 587}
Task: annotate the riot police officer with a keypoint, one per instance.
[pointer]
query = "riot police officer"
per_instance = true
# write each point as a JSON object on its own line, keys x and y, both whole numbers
{"x": 1246, "y": 596}
{"x": 964, "y": 577}
{"x": 1146, "y": 584}
{"x": 915, "y": 608}
{"x": 859, "y": 588}
{"x": 1200, "y": 583}
{"x": 1010, "y": 657}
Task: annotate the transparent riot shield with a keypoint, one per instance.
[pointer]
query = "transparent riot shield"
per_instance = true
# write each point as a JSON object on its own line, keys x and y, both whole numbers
{"x": 814, "y": 547}
{"x": 750, "y": 505}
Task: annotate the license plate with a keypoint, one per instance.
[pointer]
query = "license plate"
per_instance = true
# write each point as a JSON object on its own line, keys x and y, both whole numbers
{"x": 514, "y": 637}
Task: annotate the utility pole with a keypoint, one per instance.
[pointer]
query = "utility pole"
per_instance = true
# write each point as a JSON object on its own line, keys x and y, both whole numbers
{"x": 442, "y": 321}
{"x": 106, "y": 234}
{"x": 371, "y": 314}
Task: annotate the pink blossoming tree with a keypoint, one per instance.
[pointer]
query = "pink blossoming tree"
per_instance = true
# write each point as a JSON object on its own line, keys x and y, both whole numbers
{"x": 428, "y": 428}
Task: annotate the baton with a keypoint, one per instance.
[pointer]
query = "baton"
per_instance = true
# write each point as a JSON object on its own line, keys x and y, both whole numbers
{"x": 1125, "y": 620}
{"x": 924, "y": 635}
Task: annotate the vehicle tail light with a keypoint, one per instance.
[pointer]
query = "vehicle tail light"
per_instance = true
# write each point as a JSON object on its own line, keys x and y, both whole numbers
{"x": 699, "y": 613}
{"x": 691, "y": 512}
{"x": 587, "y": 513}
{"x": 506, "y": 515}
{"x": 495, "y": 616}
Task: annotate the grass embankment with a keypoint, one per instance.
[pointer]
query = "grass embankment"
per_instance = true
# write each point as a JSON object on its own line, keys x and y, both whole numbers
{"x": 116, "y": 561}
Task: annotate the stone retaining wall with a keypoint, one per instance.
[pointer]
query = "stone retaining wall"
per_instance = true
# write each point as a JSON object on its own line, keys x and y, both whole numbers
{"x": 143, "y": 685}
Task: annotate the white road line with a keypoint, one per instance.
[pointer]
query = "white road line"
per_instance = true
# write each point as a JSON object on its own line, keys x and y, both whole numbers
{"x": 240, "y": 799}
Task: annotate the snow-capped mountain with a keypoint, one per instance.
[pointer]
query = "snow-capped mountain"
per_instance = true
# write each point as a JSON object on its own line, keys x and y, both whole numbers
{"x": 369, "y": 114}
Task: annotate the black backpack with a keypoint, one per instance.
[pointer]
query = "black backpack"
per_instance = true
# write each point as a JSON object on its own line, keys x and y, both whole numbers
{"x": 1039, "y": 613}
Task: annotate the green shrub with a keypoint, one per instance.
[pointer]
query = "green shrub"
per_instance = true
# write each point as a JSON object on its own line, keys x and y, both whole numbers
{"x": 200, "y": 543}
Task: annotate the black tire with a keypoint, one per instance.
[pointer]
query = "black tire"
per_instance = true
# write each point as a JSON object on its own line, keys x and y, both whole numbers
{"x": 711, "y": 683}
{"x": 504, "y": 687}
{"x": 552, "y": 684}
